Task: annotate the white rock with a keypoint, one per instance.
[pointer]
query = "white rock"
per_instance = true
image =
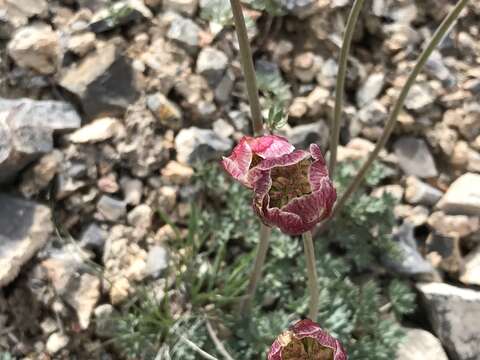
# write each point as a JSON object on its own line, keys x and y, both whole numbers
{"x": 176, "y": 173}
{"x": 36, "y": 47}
{"x": 81, "y": 44}
{"x": 370, "y": 89}
{"x": 419, "y": 192}
{"x": 470, "y": 274}
{"x": 463, "y": 196}
{"x": 111, "y": 209}
{"x": 98, "y": 130}
{"x": 141, "y": 217}
{"x": 187, "y": 7}
{"x": 453, "y": 225}
{"x": 420, "y": 345}
{"x": 132, "y": 190}
{"x": 56, "y": 342}
{"x": 414, "y": 157}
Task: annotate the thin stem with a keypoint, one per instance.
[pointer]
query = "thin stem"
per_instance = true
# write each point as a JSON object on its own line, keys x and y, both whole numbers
{"x": 247, "y": 66}
{"x": 441, "y": 32}
{"x": 197, "y": 349}
{"x": 313, "y": 289}
{"x": 218, "y": 344}
{"x": 339, "y": 88}
{"x": 256, "y": 274}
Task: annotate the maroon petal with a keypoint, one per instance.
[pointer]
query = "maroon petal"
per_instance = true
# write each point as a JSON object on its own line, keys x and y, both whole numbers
{"x": 305, "y": 329}
{"x": 270, "y": 146}
{"x": 284, "y": 160}
{"x": 238, "y": 163}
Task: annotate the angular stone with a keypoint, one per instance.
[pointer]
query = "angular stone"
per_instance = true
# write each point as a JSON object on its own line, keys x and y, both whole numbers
{"x": 15, "y": 13}
{"x": 186, "y": 33}
{"x": 103, "y": 82}
{"x": 81, "y": 44}
{"x": 420, "y": 98}
{"x": 454, "y": 314}
{"x": 58, "y": 116}
{"x": 25, "y": 227}
{"x": 120, "y": 13}
{"x": 105, "y": 324}
{"x": 414, "y": 157}
{"x": 453, "y": 225}
{"x": 411, "y": 262}
{"x": 370, "y": 89}
{"x": 132, "y": 190}
{"x": 93, "y": 238}
{"x": 199, "y": 145}
{"x": 420, "y": 345}
{"x": 111, "y": 209}
{"x": 463, "y": 196}
{"x": 157, "y": 260}
{"x": 36, "y": 47}
{"x": 302, "y": 136}
{"x": 37, "y": 178}
{"x": 176, "y": 173}
{"x": 470, "y": 274}
{"x": 98, "y": 130}
{"x": 56, "y": 342}
{"x": 419, "y": 192}
{"x": 187, "y": 7}
{"x": 211, "y": 63}
{"x": 165, "y": 111}
{"x": 141, "y": 217}
{"x": 443, "y": 251}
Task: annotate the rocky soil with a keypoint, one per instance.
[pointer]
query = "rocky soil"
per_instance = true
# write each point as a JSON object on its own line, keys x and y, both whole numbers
{"x": 106, "y": 108}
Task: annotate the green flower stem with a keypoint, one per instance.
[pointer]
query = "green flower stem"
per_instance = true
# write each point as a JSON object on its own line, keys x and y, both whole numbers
{"x": 313, "y": 289}
{"x": 339, "y": 88}
{"x": 441, "y": 32}
{"x": 247, "y": 66}
{"x": 256, "y": 274}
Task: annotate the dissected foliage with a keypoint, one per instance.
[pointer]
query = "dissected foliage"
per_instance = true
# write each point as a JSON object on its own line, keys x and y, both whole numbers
{"x": 212, "y": 271}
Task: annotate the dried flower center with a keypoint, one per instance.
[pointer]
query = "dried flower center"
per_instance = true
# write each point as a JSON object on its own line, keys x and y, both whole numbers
{"x": 306, "y": 349}
{"x": 289, "y": 182}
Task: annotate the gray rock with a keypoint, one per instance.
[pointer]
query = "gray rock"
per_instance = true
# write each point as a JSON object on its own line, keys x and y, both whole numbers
{"x": 211, "y": 63}
{"x": 187, "y": 7}
{"x": 36, "y": 47}
{"x": 132, "y": 190}
{"x": 223, "y": 128}
{"x": 120, "y": 13}
{"x": 419, "y": 192}
{"x": 111, "y": 209}
{"x": 420, "y": 98}
{"x": 93, "y": 238}
{"x": 302, "y": 136}
{"x": 414, "y": 157}
{"x": 436, "y": 67}
{"x": 444, "y": 252}
{"x": 200, "y": 145}
{"x": 420, "y": 345}
{"x": 39, "y": 176}
{"x": 300, "y": 8}
{"x": 157, "y": 260}
{"x": 186, "y": 33}
{"x": 165, "y": 111}
{"x": 58, "y": 116}
{"x": 105, "y": 324}
{"x": 103, "y": 82}
{"x": 454, "y": 314}
{"x": 463, "y": 196}
{"x": 224, "y": 88}
{"x": 372, "y": 114}
{"x": 411, "y": 262}
{"x": 25, "y": 227}
{"x": 370, "y": 89}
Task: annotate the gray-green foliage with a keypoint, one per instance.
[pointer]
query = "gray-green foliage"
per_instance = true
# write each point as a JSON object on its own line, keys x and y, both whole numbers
{"x": 212, "y": 274}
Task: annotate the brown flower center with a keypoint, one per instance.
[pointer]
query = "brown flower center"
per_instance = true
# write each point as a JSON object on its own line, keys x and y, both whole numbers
{"x": 306, "y": 349}
{"x": 289, "y": 182}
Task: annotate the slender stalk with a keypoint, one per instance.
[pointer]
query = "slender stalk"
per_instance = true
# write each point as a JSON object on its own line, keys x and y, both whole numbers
{"x": 339, "y": 88}
{"x": 247, "y": 66}
{"x": 197, "y": 349}
{"x": 313, "y": 289}
{"x": 441, "y": 32}
{"x": 256, "y": 274}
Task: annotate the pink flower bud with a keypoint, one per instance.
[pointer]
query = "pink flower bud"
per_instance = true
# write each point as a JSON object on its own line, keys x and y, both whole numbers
{"x": 306, "y": 341}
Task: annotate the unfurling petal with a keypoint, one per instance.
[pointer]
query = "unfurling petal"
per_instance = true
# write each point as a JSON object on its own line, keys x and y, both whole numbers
{"x": 306, "y": 340}
{"x": 269, "y": 146}
{"x": 238, "y": 163}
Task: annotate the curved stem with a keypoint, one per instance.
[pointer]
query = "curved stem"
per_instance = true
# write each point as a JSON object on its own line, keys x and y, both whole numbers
{"x": 441, "y": 32}
{"x": 247, "y": 66}
{"x": 256, "y": 274}
{"x": 313, "y": 289}
{"x": 339, "y": 88}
